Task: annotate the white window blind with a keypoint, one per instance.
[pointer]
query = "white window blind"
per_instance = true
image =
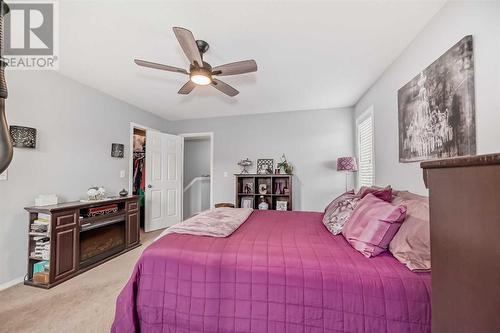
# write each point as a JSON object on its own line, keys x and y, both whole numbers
{"x": 365, "y": 151}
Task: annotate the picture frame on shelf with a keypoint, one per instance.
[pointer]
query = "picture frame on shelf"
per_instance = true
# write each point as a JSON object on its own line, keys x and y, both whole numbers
{"x": 281, "y": 205}
{"x": 248, "y": 188}
{"x": 246, "y": 202}
{"x": 265, "y": 166}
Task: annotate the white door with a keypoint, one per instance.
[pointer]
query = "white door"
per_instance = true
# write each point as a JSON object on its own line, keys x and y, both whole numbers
{"x": 163, "y": 180}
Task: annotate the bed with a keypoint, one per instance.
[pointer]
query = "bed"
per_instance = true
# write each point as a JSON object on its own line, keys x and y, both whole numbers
{"x": 278, "y": 272}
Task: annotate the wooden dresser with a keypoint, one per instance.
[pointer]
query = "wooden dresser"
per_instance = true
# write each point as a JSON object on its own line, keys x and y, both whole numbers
{"x": 464, "y": 197}
{"x": 72, "y": 240}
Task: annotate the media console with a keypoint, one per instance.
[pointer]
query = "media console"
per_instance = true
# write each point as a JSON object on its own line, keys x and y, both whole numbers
{"x": 70, "y": 238}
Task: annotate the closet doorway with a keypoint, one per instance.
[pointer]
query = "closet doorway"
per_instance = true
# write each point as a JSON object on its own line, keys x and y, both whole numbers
{"x": 197, "y": 152}
{"x": 139, "y": 167}
{"x": 155, "y": 174}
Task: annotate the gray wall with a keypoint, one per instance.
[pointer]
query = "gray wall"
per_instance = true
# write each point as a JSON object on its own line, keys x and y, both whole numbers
{"x": 196, "y": 159}
{"x": 452, "y": 23}
{"x": 76, "y": 126}
{"x": 312, "y": 140}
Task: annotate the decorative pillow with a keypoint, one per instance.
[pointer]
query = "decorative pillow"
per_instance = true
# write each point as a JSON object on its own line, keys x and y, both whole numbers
{"x": 373, "y": 224}
{"x": 338, "y": 212}
{"x": 337, "y": 218}
{"x": 384, "y": 193}
{"x": 411, "y": 245}
{"x": 342, "y": 197}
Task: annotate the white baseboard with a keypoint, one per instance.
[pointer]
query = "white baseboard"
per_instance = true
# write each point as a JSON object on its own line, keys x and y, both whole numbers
{"x": 11, "y": 283}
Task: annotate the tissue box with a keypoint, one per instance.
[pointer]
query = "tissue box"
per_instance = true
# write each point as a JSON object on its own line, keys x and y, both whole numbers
{"x": 46, "y": 200}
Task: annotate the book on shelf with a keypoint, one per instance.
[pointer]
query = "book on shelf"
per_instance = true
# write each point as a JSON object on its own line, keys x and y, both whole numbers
{"x": 38, "y": 234}
{"x": 39, "y": 228}
{"x": 41, "y": 266}
{"x": 41, "y": 250}
{"x": 44, "y": 217}
{"x": 45, "y": 255}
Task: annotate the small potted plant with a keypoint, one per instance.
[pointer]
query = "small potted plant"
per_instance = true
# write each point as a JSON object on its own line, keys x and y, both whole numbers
{"x": 285, "y": 166}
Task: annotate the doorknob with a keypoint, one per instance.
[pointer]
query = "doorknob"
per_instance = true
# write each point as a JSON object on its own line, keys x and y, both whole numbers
{"x": 150, "y": 186}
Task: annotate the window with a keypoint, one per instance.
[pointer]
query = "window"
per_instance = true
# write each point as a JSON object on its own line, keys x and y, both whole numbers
{"x": 364, "y": 131}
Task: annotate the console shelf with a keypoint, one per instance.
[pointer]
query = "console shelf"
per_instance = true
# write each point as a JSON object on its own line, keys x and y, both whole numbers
{"x": 74, "y": 242}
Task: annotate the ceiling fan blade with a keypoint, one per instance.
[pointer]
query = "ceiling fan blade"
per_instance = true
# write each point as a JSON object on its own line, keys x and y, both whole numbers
{"x": 187, "y": 88}
{"x": 239, "y": 67}
{"x": 188, "y": 45}
{"x": 160, "y": 66}
{"x": 224, "y": 87}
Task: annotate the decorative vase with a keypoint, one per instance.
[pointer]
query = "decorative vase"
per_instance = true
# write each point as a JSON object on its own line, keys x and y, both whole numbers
{"x": 263, "y": 204}
{"x": 278, "y": 188}
{"x": 123, "y": 193}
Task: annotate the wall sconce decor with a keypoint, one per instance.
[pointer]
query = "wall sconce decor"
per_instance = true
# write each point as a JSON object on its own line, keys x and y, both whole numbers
{"x": 117, "y": 150}
{"x": 23, "y": 137}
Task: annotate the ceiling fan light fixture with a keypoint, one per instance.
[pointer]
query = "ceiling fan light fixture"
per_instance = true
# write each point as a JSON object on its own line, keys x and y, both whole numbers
{"x": 201, "y": 79}
{"x": 201, "y": 75}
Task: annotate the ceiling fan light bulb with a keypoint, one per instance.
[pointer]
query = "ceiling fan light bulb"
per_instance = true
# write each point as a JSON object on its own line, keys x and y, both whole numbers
{"x": 200, "y": 79}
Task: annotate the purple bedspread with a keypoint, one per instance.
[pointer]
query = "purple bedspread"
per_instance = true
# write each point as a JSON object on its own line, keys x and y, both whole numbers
{"x": 279, "y": 272}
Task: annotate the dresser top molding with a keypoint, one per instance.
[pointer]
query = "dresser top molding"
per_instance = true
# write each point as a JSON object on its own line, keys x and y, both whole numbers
{"x": 78, "y": 204}
{"x": 465, "y": 161}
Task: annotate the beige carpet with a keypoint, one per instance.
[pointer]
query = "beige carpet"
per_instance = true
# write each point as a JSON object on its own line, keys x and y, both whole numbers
{"x": 85, "y": 303}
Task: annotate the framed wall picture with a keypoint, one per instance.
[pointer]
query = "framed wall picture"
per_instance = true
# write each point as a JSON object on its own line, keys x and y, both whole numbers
{"x": 281, "y": 205}
{"x": 265, "y": 166}
{"x": 437, "y": 108}
{"x": 246, "y": 202}
{"x": 117, "y": 150}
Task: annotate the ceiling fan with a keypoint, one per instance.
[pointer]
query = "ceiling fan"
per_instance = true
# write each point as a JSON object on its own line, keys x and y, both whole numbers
{"x": 200, "y": 72}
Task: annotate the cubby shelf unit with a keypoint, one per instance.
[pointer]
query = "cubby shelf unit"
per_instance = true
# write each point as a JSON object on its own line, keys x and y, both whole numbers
{"x": 279, "y": 188}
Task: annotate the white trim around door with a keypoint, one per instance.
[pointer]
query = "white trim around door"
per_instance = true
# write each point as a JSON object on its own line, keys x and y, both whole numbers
{"x": 202, "y": 135}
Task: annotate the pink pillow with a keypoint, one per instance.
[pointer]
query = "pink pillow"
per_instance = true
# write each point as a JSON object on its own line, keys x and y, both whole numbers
{"x": 384, "y": 193}
{"x": 411, "y": 245}
{"x": 373, "y": 224}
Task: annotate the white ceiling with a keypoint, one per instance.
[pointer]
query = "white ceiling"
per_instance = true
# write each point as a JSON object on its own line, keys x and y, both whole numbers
{"x": 311, "y": 55}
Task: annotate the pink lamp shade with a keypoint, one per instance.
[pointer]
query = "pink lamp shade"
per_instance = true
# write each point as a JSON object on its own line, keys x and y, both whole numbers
{"x": 347, "y": 164}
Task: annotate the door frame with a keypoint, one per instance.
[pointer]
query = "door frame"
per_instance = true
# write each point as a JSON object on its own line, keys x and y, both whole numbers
{"x": 209, "y": 135}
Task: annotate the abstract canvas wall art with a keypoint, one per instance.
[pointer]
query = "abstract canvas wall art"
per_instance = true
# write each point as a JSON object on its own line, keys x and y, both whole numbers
{"x": 437, "y": 108}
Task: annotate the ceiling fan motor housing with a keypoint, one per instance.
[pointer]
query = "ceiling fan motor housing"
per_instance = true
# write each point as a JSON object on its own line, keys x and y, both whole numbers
{"x": 205, "y": 70}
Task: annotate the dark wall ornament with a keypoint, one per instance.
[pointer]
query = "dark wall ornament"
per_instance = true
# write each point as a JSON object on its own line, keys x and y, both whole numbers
{"x": 117, "y": 150}
{"x": 23, "y": 137}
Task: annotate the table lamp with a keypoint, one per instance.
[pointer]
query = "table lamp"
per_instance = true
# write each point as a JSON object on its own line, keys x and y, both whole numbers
{"x": 347, "y": 164}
